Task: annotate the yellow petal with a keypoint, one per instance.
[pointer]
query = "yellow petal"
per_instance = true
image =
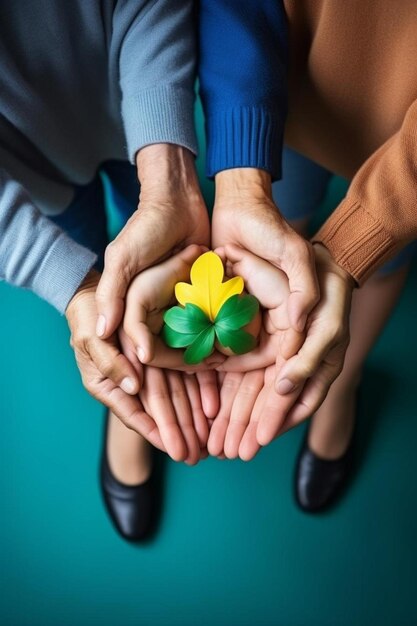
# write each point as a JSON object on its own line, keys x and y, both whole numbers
{"x": 230, "y": 288}
{"x": 207, "y": 290}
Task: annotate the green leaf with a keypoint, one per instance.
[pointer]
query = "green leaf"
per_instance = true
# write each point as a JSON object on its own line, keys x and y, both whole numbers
{"x": 173, "y": 339}
{"x": 237, "y": 312}
{"x": 201, "y": 347}
{"x": 239, "y": 341}
{"x": 191, "y": 320}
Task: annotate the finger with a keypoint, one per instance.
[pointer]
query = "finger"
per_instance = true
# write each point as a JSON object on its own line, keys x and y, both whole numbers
{"x": 299, "y": 265}
{"x": 291, "y": 342}
{"x": 209, "y": 392}
{"x": 114, "y": 365}
{"x": 200, "y": 422}
{"x": 130, "y": 353}
{"x": 249, "y": 446}
{"x": 128, "y": 409}
{"x": 218, "y": 430}
{"x": 199, "y": 419}
{"x": 303, "y": 365}
{"x": 243, "y": 404}
{"x": 146, "y": 239}
{"x": 156, "y": 399}
{"x": 182, "y": 409}
{"x": 271, "y": 410}
{"x": 111, "y": 290}
{"x": 312, "y": 396}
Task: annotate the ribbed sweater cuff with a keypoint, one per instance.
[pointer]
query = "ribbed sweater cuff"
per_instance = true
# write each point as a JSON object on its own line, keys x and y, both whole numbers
{"x": 244, "y": 137}
{"x": 356, "y": 240}
{"x": 159, "y": 115}
{"x": 61, "y": 271}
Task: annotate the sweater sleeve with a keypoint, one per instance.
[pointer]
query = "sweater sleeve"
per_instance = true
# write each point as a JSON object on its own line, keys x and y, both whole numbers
{"x": 243, "y": 82}
{"x": 378, "y": 216}
{"x": 157, "y": 58}
{"x": 34, "y": 252}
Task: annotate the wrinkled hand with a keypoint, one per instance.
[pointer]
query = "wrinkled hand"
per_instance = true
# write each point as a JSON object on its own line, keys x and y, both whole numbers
{"x": 171, "y": 215}
{"x": 173, "y": 419}
{"x": 106, "y": 373}
{"x": 245, "y": 214}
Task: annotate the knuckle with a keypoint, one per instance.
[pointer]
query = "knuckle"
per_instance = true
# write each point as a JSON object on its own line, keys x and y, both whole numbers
{"x": 306, "y": 368}
{"x": 111, "y": 253}
{"x": 336, "y": 332}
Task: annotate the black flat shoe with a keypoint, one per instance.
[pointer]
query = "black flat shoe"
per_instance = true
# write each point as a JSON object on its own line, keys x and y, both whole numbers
{"x": 133, "y": 509}
{"x": 320, "y": 482}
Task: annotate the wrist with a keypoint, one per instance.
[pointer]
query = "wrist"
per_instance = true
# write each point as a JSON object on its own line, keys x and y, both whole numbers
{"x": 166, "y": 170}
{"x": 325, "y": 259}
{"x": 88, "y": 285}
{"x": 243, "y": 183}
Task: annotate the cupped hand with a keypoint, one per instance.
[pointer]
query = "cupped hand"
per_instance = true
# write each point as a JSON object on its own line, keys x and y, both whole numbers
{"x": 270, "y": 286}
{"x": 171, "y": 215}
{"x": 319, "y": 361}
{"x": 106, "y": 373}
{"x": 245, "y": 214}
{"x": 168, "y": 412}
{"x": 252, "y": 413}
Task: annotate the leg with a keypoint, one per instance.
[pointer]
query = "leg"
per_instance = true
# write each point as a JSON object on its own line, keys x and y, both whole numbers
{"x": 128, "y": 454}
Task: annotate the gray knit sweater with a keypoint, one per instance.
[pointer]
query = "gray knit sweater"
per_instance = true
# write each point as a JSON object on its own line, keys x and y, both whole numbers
{"x": 81, "y": 81}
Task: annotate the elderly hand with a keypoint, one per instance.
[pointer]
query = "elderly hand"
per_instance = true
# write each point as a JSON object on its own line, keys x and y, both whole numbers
{"x": 245, "y": 214}
{"x": 171, "y": 215}
{"x": 106, "y": 373}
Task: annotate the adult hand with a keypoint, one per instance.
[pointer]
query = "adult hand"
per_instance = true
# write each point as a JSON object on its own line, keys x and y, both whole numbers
{"x": 245, "y": 214}
{"x": 317, "y": 364}
{"x": 173, "y": 408}
{"x": 170, "y": 216}
{"x": 106, "y": 373}
{"x": 252, "y": 413}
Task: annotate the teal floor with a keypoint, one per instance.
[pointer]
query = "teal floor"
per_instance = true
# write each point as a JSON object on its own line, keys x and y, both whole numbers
{"x": 232, "y": 547}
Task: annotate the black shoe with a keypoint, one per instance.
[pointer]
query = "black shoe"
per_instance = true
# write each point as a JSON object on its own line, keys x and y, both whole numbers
{"x": 319, "y": 482}
{"x": 133, "y": 509}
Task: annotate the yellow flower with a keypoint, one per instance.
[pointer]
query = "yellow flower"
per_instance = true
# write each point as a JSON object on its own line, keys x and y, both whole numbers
{"x": 207, "y": 291}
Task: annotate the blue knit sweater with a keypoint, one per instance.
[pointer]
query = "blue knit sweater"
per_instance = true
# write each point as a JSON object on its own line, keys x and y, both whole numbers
{"x": 86, "y": 81}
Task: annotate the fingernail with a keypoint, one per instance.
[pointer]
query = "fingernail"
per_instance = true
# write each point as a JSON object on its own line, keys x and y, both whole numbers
{"x": 128, "y": 385}
{"x": 101, "y": 325}
{"x": 285, "y": 386}
{"x": 141, "y": 354}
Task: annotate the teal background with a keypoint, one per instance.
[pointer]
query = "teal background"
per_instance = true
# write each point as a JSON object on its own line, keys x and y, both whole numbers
{"x": 232, "y": 547}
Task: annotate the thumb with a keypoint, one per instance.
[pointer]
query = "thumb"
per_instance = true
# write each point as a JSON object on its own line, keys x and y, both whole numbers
{"x": 110, "y": 299}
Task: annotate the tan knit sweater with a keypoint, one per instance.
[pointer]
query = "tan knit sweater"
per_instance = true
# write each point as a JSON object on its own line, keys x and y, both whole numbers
{"x": 353, "y": 109}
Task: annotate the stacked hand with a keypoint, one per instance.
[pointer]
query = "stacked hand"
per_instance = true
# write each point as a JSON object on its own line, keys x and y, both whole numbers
{"x": 304, "y": 294}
